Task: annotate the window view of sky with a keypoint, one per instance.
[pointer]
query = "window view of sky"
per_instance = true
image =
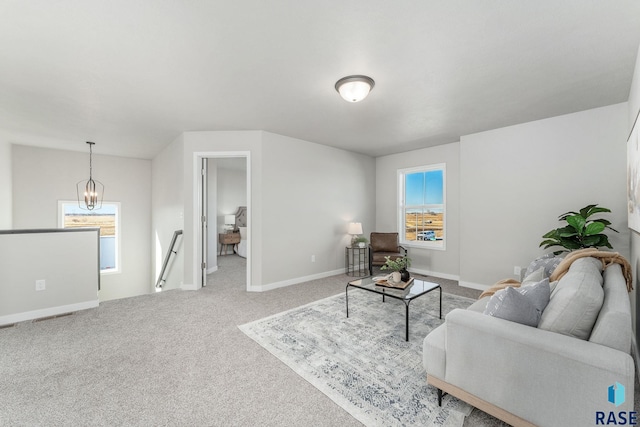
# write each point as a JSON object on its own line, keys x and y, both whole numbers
{"x": 424, "y": 188}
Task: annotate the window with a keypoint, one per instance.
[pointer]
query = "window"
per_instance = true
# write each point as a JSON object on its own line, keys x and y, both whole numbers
{"x": 421, "y": 216}
{"x": 107, "y": 219}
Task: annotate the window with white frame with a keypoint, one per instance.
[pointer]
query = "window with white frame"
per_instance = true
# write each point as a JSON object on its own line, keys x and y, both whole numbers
{"x": 422, "y": 206}
{"x": 107, "y": 218}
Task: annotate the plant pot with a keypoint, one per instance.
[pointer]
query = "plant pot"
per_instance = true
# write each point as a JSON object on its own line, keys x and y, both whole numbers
{"x": 395, "y": 277}
{"x": 404, "y": 275}
{"x": 361, "y": 244}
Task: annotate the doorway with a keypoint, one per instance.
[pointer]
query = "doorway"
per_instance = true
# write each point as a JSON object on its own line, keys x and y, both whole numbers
{"x": 224, "y": 190}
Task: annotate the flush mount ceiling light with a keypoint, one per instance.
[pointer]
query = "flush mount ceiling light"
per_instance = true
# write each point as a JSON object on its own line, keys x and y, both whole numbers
{"x": 91, "y": 189}
{"x": 354, "y": 88}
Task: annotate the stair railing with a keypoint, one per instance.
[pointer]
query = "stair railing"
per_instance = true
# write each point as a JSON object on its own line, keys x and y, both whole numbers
{"x": 170, "y": 251}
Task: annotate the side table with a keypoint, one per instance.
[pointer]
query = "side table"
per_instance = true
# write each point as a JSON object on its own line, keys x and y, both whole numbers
{"x": 228, "y": 239}
{"x": 356, "y": 261}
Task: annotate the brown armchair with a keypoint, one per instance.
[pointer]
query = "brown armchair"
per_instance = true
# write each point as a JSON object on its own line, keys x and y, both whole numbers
{"x": 383, "y": 245}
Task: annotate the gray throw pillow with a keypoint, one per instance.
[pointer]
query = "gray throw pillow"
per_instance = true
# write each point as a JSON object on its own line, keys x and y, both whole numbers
{"x": 538, "y": 293}
{"x": 548, "y": 261}
{"x": 521, "y": 305}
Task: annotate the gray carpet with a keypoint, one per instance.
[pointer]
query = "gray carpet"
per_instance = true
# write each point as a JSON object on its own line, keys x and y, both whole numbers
{"x": 176, "y": 358}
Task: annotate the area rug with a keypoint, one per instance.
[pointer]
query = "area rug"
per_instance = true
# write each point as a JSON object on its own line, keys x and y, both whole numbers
{"x": 363, "y": 362}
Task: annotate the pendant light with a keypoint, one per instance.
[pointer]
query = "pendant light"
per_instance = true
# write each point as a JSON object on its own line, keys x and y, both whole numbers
{"x": 354, "y": 88}
{"x": 91, "y": 190}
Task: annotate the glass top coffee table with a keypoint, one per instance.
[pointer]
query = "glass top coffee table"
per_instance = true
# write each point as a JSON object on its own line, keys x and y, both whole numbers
{"x": 411, "y": 292}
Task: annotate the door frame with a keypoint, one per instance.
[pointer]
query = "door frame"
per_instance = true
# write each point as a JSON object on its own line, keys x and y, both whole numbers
{"x": 198, "y": 204}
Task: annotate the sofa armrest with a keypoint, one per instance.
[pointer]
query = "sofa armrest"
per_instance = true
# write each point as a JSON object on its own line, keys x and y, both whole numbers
{"x": 540, "y": 376}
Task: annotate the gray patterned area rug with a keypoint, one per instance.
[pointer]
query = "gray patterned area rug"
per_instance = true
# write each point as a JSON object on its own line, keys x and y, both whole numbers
{"x": 363, "y": 362}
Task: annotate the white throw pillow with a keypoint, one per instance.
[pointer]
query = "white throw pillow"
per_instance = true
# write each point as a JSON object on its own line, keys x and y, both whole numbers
{"x": 243, "y": 233}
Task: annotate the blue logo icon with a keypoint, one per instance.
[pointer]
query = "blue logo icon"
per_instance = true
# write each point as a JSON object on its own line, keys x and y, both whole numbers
{"x": 616, "y": 394}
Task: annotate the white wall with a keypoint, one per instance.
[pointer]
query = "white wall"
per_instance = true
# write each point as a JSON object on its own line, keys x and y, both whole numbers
{"x": 42, "y": 177}
{"x": 5, "y": 186}
{"x": 426, "y": 261}
{"x": 302, "y": 197}
{"x": 634, "y": 107}
{"x": 167, "y": 207}
{"x": 67, "y": 262}
{"x": 310, "y": 194}
{"x": 517, "y": 180}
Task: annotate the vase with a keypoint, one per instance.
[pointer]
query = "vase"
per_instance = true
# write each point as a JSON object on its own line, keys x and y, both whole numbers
{"x": 395, "y": 277}
{"x": 404, "y": 275}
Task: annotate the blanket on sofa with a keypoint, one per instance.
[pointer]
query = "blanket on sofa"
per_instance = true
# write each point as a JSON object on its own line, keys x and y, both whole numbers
{"x": 607, "y": 258}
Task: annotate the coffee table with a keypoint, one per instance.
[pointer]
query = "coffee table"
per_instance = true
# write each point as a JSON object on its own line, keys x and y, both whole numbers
{"x": 413, "y": 291}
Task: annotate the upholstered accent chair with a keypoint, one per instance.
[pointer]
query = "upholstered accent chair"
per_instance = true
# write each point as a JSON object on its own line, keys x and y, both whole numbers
{"x": 383, "y": 245}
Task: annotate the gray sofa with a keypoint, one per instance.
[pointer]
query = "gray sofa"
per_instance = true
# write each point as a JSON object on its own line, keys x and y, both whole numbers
{"x": 556, "y": 374}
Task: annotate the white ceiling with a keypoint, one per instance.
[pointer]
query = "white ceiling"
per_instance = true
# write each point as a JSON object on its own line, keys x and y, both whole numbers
{"x": 133, "y": 75}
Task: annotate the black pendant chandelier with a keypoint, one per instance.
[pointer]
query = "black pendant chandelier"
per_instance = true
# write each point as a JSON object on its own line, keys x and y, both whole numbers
{"x": 91, "y": 190}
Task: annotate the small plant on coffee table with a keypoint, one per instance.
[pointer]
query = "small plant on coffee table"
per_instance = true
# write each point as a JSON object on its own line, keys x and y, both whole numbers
{"x": 399, "y": 264}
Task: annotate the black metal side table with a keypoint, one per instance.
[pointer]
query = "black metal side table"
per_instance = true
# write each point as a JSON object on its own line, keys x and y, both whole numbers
{"x": 356, "y": 261}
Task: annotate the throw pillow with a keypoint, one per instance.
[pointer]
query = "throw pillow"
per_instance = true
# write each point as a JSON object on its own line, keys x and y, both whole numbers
{"x": 522, "y": 305}
{"x": 538, "y": 293}
{"x": 243, "y": 233}
{"x": 548, "y": 261}
{"x": 534, "y": 277}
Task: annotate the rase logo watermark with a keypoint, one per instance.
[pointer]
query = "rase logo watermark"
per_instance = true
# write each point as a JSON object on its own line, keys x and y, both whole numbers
{"x": 616, "y": 396}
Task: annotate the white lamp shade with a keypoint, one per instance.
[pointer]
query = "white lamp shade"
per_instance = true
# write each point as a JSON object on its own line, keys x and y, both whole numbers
{"x": 355, "y": 228}
{"x": 229, "y": 219}
{"x": 354, "y": 88}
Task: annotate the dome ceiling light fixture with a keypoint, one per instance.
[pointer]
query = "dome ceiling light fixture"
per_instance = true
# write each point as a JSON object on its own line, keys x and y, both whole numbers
{"x": 354, "y": 88}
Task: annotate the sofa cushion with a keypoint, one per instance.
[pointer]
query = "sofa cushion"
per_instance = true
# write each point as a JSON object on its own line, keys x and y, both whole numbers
{"x": 522, "y": 305}
{"x": 576, "y": 301}
{"x": 479, "y": 305}
{"x": 613, "y": 327}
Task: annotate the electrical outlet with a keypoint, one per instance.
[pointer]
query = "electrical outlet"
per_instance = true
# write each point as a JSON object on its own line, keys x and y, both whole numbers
{"x": 41, "y": 285}
{"x": 517, "y": 270}
{"x": 313, "y": 258}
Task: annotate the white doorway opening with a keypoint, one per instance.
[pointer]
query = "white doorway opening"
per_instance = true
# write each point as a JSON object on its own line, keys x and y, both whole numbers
{"x": 202, "y": 220}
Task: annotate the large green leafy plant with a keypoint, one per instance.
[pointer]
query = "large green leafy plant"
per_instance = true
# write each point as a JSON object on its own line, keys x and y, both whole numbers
{"x": 581, "y": 231}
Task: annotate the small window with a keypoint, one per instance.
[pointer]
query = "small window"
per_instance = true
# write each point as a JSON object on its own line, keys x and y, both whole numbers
{"x": 421, "y": 206}
{"x": 107, "y": 218}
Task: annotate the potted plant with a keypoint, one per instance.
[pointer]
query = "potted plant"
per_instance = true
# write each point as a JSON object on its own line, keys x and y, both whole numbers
{"x": 360, "y": 242}
{"x": 581, "y": 231}
{"x": 399, "y": 268}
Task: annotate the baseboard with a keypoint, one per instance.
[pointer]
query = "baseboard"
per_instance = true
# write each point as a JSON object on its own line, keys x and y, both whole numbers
{"x": 472, "y": 285}
{"x": 434, "y": 274}
{"x": 47, "y": 312}
{"x": 188, "y": 287}
{"x": 212, "y": 269}
{"x": 295, "y": 281}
